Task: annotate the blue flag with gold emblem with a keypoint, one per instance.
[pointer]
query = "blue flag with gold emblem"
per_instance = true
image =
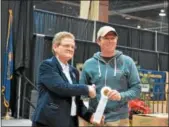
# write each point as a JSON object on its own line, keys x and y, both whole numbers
{"x": 8, "y": 63}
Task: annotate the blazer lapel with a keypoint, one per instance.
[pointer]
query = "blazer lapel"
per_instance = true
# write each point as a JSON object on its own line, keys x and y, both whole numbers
{"x": 60, "y": 68}
{"x": 72, "y": 75}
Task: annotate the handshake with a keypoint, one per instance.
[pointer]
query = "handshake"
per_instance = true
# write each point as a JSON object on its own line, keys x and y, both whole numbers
{"x": 111, "y": 94}
{"x": 92, "y": 91}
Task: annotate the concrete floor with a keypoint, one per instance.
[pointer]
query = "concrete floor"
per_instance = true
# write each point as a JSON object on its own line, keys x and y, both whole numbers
{"x": 16, "y": 122}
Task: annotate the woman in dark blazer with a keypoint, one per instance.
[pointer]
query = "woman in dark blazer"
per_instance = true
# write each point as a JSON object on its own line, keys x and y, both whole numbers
{"x": 55, "y": 90}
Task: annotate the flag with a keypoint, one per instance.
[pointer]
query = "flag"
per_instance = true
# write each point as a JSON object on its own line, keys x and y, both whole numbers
{"x": 8, "y": 63}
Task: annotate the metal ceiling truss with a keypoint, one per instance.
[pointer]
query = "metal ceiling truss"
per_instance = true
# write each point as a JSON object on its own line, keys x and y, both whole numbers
{"x": 140, "y": 8}
{"x": 138, "y": 18}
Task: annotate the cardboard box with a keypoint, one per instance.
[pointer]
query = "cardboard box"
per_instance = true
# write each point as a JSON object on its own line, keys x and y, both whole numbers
{"x": 150, "y": 120}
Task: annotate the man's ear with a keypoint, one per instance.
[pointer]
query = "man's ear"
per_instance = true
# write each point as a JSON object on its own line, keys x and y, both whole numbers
{"x": 117, "y": 38}
{"x": 98, "y": 41}
{"x": 55, "y": 47}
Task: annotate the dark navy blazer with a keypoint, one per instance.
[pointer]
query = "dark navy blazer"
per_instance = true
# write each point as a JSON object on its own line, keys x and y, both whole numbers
{"x": 54, "y": 101}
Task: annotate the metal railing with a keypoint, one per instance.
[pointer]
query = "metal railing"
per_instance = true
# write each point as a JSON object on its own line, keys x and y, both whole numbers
{"x": 156, "y": 101}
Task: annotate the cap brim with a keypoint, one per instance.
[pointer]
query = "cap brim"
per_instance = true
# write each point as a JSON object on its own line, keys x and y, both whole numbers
{"x": 106, "y": 32}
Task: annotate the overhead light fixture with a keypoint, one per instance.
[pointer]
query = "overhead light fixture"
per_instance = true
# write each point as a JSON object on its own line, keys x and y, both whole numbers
{"x": 127, "y": 18}
{"x": 162, "y": 13}
{"x": 138, "y": 26}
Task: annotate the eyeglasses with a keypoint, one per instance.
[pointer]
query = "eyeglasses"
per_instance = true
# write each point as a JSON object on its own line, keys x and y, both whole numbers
{"x": 68, "y": 46}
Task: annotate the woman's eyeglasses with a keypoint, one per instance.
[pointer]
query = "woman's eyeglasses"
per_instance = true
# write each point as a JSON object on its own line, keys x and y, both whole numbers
{"x": 68, "y": 46}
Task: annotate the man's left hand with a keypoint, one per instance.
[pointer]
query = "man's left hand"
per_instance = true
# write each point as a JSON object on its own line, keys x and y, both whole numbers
{"x": 114, "y": 95}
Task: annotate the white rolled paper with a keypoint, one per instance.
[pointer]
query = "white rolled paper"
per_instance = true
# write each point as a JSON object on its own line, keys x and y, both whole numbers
{"x": 102, "y": 104}
{"x": 73, "y": 107}
{"x": 104, "y": 91}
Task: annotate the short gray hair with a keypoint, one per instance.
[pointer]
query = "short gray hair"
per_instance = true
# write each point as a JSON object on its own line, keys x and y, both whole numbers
{"x": 59, "y": 36}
